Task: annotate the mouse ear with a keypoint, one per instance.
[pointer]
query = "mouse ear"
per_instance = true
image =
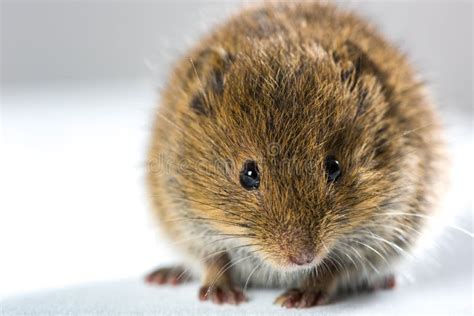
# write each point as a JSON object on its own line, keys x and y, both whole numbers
{"x": 207, "y": 70}
{"x": 354, "y": 63}
{"x": 360, "y": 74}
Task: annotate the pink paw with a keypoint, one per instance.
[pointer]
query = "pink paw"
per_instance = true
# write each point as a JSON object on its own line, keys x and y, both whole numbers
{"x": 302, "y": 298}
{"x": 222, "y": 295}
{"x": 173, "y": 276}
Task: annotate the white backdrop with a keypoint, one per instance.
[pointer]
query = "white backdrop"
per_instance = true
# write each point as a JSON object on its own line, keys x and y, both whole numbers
{"x": 74, "y": 126}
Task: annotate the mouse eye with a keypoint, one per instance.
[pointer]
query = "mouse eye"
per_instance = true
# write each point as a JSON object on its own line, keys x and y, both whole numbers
{"x": 333, "y": 168}
{"x": 249, "y": 175}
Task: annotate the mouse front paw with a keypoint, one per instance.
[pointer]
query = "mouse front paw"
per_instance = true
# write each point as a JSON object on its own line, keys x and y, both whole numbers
{"x": 168, "y": 275}
{"x": 302, "y": 298}
{"x": 386, "y": 283}
{"x": 219, "y": 294}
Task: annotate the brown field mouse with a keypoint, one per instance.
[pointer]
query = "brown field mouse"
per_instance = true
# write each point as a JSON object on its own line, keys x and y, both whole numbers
{"x": 293, "y": 147}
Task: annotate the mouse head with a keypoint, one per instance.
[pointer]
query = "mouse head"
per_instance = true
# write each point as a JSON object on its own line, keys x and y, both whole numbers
{"x": 285, "y": 149}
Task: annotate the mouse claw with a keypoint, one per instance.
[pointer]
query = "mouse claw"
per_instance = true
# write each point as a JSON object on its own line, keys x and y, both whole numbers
{"x": 386, "y": 283}
{"x": 171, "y": 275}
{"x": 222, "y": 295}
{"x": 301, "y": 298}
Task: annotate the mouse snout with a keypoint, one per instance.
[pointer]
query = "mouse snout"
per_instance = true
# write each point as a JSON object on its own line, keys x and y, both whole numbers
{"x": 302, "y": 258}
{"x": 296, "y": 247}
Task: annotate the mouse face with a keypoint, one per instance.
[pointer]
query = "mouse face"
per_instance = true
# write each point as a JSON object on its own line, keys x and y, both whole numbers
{"x": 286, "y": 150}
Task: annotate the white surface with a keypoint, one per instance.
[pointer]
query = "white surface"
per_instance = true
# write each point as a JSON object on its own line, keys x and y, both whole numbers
{"x": 72, "y": 202}
{"x": 72, "y": 205}
{"x": 135, "y": 298}
{"x": 74, "y": 210}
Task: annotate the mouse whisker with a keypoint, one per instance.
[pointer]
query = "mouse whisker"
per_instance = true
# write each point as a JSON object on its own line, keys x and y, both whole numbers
{"x": 397, "y": 248}
{"x": 205, "y": 258}
{"x": 396, "y": 228}
{"x": 373, "y": 250}
{"x": 226, "y": 267}
{"x": 361, "y": 258}
{"x": 453, "y": 226}
{"x": 348, "y": 257}
{"x": 258, "y": 266}
{"x": 332, "y": 256}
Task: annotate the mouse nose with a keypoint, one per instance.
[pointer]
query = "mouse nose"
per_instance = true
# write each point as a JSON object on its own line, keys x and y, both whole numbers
{"x": 302, "y": 258}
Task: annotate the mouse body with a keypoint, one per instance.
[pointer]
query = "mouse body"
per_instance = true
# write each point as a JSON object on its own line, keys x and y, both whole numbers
{"x": 293, "y": 147}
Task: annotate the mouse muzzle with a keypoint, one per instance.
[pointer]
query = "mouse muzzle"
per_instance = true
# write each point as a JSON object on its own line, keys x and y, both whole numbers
{"x": 302, "y": 258}
{"x": 294, "y": 250}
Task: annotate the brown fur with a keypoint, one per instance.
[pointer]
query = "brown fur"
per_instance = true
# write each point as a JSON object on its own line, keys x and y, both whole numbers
{"x": 287, "y": 85}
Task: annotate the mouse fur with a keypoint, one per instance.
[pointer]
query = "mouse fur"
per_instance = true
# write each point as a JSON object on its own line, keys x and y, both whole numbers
{"x": 287, "y": 85}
